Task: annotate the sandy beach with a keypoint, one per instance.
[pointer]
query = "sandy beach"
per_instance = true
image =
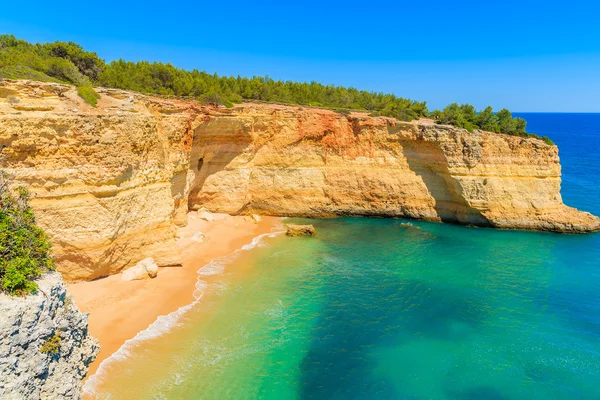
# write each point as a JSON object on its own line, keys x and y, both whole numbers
{"x": 120, "y": 309}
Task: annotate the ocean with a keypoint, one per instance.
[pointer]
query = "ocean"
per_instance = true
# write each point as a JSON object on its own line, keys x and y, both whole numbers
{"x": 391, "y": 309}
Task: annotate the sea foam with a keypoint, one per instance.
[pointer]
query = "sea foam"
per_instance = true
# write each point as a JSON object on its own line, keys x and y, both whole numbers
{"x": 165, "y": 323}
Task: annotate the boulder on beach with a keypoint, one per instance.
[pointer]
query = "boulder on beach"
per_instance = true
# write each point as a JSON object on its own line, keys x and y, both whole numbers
{"x": 145, "y": 269}
{"x": 300, "y": 230}
{"x": 256, "y": 218}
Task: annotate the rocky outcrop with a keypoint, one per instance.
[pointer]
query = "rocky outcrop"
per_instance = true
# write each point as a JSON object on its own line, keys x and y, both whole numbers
{"x": 45, "y": 348}
{"x": 307, "y": 162}
{"x": 111, "y": 183}
{"x": 300, "y": 230}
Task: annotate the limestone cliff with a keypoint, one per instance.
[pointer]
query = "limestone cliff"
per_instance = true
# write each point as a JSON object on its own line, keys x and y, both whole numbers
{"x": 288, "y": 161}
{"x": 111, "y": 183}
{"x": 29, "y": 367}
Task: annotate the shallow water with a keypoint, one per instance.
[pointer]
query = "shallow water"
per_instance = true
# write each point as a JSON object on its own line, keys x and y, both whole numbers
{"x": 393, "y": 309}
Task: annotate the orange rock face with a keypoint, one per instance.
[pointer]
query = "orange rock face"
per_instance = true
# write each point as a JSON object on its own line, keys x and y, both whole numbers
{"x": 110, "y": 184}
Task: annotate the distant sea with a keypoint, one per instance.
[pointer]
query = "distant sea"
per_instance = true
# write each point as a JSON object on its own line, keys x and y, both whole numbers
{"x": 393, "y": 309}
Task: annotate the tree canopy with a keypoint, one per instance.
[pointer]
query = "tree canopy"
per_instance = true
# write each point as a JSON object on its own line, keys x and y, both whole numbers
{"x": 465, "y": 116}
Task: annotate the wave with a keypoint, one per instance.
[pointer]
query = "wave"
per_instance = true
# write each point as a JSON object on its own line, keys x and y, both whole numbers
{"x": 165, "y": 323}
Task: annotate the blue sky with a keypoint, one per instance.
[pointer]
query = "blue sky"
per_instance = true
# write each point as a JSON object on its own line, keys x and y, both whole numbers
{"x": 526, "y": 55}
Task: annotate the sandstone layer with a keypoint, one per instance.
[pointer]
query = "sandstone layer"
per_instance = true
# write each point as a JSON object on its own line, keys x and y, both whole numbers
{"x": 27, "y": 371}
{"x": 111, "y": 183}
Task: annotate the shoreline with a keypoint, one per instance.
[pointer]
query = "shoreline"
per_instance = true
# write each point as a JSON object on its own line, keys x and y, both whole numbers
{"x": 119, "y": 310}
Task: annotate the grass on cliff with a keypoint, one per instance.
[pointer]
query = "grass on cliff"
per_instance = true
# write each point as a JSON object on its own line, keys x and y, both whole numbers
{"x": 51, "y": 345}
{"x": 88, "y": 94}
{"x": 68, "y": 62}
{"x": 24, "y": 247}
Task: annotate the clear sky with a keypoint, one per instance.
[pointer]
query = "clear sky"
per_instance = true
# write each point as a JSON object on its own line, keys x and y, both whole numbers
{"x": 523, "y": 55}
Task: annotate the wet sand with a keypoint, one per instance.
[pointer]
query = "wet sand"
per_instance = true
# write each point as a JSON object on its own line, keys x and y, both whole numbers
{"x": 120, "y": 309}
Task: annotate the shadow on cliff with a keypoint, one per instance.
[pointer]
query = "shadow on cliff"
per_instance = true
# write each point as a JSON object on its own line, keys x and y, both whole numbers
{"x": 212, "y": 151}
{"x": 429, "y": 162}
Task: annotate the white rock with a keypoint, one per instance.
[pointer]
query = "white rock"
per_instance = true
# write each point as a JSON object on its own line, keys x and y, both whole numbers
{"x": 26, "y": 323}
{"x": 145, "y": 269}
{"x": 150, "y": 266}
{"x": 256, "y": 218}
{"x": 134, "y": 273}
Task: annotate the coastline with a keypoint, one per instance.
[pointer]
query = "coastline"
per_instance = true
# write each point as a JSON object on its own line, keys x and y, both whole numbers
{"x": 120, "y": 310}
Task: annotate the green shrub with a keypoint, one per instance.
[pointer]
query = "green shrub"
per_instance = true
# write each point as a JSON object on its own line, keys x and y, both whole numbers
{"x": 342, "y": 111}
{"x": 51, "y": 345}
{"x": 58, "y": 61}
{"x": 236, "y": 98}
{"x": 465, "y": 116}
{"x": 547, "y": 140}
{"x": 87, "y": 93}
{"x": 87, "y": 63}
{"x": 25, "y": 72}
{"x": 24, "y": 247}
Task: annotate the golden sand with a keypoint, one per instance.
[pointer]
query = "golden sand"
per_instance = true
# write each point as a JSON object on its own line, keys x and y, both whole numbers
{"x": 120, "y": 309}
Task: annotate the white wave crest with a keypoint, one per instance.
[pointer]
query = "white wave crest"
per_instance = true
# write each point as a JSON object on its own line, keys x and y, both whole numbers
{"x": 165, "y": 323}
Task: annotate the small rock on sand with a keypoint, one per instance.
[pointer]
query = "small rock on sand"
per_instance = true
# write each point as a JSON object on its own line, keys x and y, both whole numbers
{"x": 256, "y": 218}
{"x": 145, "y": 269}
{"x": 300, "y": 230}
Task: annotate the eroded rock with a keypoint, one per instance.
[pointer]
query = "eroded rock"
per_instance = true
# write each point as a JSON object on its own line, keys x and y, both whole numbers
{"x": 145, "y": 269}
{"x": 26, "y": 324}
{"x": 300, "y": 230}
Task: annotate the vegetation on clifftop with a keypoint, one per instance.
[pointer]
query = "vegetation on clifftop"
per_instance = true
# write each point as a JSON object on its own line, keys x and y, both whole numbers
{"x": 465, "y": 116}
{"x": 87, "y": 93}
{"x": 24, "y": 247}
{"x": 70, "y": 63}
{"x": 51, "y": 62}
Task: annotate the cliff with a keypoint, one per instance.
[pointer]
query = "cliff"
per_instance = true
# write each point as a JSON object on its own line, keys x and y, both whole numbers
{"x": 111, "y": 183}
{"x": 32, "y": 366}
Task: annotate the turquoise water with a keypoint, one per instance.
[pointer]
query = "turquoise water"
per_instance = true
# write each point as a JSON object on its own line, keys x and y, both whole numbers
{"x": 390, "y": 309}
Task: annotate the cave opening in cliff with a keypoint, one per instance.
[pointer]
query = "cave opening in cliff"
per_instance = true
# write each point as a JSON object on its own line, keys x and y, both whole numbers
{"x": 211, "y": 180}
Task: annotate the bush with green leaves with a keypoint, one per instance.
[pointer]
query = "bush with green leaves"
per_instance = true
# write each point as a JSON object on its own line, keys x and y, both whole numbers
{"x": 88, "y": 94}
{"x": 24, "y": 247}
{"x": 54, "y": 62}
{"x": 465, "y": 116}
{"x": 51, "y": 345}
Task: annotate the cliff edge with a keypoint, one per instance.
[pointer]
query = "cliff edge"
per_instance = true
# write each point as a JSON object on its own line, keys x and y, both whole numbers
{"x": 111, "y": 183}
